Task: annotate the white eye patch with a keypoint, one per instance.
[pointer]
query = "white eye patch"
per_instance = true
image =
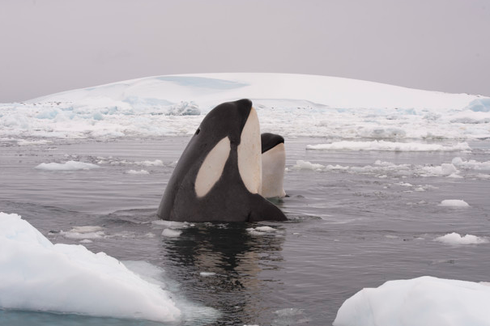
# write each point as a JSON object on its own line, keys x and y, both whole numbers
{"x": 249, "y": 154}
{"x": 212, "y": 167}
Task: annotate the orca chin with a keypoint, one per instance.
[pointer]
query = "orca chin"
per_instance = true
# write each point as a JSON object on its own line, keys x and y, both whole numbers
{"x": 218, "y": 178}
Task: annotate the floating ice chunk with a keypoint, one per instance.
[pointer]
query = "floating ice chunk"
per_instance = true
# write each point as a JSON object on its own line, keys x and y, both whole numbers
{"x": 454, "y": 203}
{"x": 457, "y": 161}
{"x": 84, "y": 232}
{"x": 388, "y": 146}
{"x": 448, "y": 169}
{"x": 137, "y": 172}
{"x": 422, "y": 188}
{"x": 172, "y": 224}
{"x": 41, "y": 276}
{"x": 262, "y": 230}
{"x": 265, "y": 229}
{"x": 455, "y": 176}
{"x": 421, "y": 301}
{"x": 471, "y": 164}
{"x": 68, "y": 166}
{"x": 291, "y": 316}
{"x": 404, "y": 184}
{"x": 445, "y": 169}
{"x": 24, "y": 142}
{"x": 305, "y": 165}
{"x": 169, "y": 233}
{"x": 150, "y": 163}
{"x": 456, "y": 238}
{"x": 86, "y": 229}
{"x": 483, "y": 176}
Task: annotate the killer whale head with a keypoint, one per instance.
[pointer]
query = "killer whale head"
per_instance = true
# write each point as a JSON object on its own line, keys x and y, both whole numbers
{"x": 219, "y": 175}
{"x": 273, "y": 165}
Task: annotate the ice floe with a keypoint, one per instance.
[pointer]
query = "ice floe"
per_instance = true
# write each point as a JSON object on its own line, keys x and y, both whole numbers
{"x": 421, "y": 301}
{"x": 41, "y": 276}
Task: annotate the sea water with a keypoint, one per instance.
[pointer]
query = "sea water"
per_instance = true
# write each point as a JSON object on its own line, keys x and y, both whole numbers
{"x": 356, "y": 218}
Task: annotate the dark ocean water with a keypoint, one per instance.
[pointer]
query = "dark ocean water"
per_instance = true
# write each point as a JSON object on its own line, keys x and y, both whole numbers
{"x": 349, "y": 228}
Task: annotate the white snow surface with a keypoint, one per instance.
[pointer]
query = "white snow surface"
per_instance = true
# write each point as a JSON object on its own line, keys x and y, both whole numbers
{"x": 38, "y": 275}
{"x": 287, "y": 104}
{"x": 421, "y": 301}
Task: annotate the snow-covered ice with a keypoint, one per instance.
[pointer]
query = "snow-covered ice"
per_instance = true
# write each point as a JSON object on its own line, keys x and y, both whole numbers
{"x": 420, "y": 301}
{"x": 381, "y": 168}
{"x": 263, "y": 230}
{"x": 456, "y": 239}
{"x": 305, "y": 165}
{"x": 170, "y": 233}
{"x": 67, "y": 166}
{"x": 150, "y": 163}
{"x": 174, "y": 225}
{"x": 454, "y": 203}
{"x": 388, "y": 146}
{"x": 41, "y": 276}
{"x": 287, "y": 104}
{"x": 84, "y": 232}
{"x": 137, "y": 172}
{"x": 471, "y": 164}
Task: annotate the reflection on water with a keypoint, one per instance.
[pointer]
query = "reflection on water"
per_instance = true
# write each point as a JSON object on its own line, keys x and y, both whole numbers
{"x": 220, "y": 265}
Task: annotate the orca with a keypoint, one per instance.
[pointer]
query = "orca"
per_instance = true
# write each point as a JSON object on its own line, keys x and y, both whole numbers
{"x": 273, "y": 165}
{"x": 218, "y": 177}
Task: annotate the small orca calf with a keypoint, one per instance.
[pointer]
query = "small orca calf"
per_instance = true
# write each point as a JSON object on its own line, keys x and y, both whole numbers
{"x": 273, "y": 165}
{"x": 218, "y": 178}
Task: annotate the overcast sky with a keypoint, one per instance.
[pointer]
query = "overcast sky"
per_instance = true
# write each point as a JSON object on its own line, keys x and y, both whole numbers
{"x": 48, "y": 46}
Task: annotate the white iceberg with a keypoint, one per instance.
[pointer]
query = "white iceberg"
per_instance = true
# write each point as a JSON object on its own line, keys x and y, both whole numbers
{"x": 421, "y": 301}
{"x": 38, "y": 275}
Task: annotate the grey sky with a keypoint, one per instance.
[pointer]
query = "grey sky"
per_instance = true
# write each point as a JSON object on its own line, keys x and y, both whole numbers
{"x": 49, "y": 46}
